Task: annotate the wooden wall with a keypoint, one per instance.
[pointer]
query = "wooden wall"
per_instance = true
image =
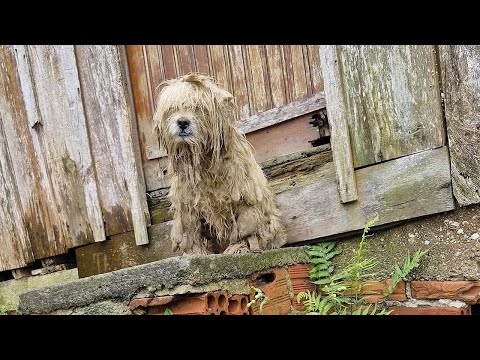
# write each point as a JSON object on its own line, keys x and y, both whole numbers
{"x": 261, "y": 77}
{"x": 461, "y": 86}
{"x": 68, "y": 168}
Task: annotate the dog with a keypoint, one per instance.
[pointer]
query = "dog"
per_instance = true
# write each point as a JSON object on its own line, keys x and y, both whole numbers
{"x": 221, "y": 201}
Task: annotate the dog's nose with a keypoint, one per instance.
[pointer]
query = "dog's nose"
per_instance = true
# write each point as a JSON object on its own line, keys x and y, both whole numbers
{"x": 183, "y": 123}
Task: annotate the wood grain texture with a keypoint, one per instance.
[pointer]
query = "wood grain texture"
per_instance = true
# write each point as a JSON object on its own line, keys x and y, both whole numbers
{"x": 37, "y": 211}
{"x": 255, "y": 75}
{"x": 260, "y": 77}
{"x": 276, "y": 77}
{"x": 15, "y": 248}
{"x": 460, "y": 66}
{"x": 121, "y": 251}
{"x": 315, "y": 68}
{"x": 62, "y": 135}
{"x": 185, "y": 58}
{"x": 201, "y": 59}
{"x": 285, "y": 138}
{"x": 311, "y": 206}
{"x": 392, "y": 100}
{"x": 396, "y": 190}
{"x": 239, "y": 79}
{"x": 281, "y": 114}
{"x": 299, "y": 76}
{"x": 108, "y": 116}
{"x": 338, "y": 120}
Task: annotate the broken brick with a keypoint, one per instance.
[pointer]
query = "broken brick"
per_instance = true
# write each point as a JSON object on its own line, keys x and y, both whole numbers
{"x": 468, "y": 291}
{"x": 300, "y": 279}
{"x": 274, "y": 284}
{"x": 430, "y": 310}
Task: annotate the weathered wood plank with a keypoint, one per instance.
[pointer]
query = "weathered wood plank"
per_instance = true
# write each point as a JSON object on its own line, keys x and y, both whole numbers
{"x": 286, "y": 52}
{"x": 169, "y": 62}
{"x": 392, "y": 101}
{"x": 62, "y": 134}
{"x": 154, "y": 68}
{"x": 281, "y": 114}
{"x": 275, "y": 70}
{"x": 396, "y": 190}
{"x": 120, "y": 251}
{"x": 461, "y": 84}
{"x": 311, "y": 208}
{"x": 284, "y": 138}
{"x": 37, "y": 212}
{"x": 107, "y": 112}
{"x": 338, "y": 120}
{"x": 299, "y": 77}
{"x": 138, "y": 67}
{"x": 185, "y": 58}
{"x": 131, "y": 151}
{"x": 239, "y": 81}
{"x": 315, "y": 68}
{"x": 219, "y": 66}
{"x": 15, "y": 248}
{"x": 308, "y": 73}
{"x": 281, "y": 171}
{"x": 201, "y": 59}
{"x": 255, "y": 76}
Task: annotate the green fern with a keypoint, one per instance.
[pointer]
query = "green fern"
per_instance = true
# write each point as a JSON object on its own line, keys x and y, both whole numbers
{"x": 408, "y": 266}
{"x": 320, "y": 257}
{"x": 168, "y": 312}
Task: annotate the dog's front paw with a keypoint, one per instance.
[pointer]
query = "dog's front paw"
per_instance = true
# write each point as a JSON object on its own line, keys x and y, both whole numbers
{"x": 238, "y": 248}
{"x": 179, "y": 243}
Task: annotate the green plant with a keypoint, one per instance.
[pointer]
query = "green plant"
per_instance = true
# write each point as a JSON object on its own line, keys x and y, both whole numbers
{"x": 408, "y": 265}
{"x": 259, "y": 297}
{"x": 339, "y": 294}
{"x": 168, "y": 312}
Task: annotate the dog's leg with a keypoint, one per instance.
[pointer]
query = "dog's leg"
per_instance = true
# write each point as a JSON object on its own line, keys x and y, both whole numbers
{"x": 190, "y": 241}
{"x": 243, "y": 238}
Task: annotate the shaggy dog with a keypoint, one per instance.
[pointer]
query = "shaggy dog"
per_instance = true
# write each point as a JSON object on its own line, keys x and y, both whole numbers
{"x": 220, "y": 198}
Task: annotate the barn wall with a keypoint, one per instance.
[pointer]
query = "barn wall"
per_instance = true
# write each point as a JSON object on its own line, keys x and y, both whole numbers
{"x": 67, "y": 152}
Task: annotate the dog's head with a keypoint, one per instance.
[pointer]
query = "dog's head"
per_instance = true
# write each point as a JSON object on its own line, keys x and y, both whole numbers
{"x": 194, "y": 112}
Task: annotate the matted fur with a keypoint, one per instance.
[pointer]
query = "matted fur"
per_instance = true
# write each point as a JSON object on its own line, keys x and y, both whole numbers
{"x": 220, "y": 197}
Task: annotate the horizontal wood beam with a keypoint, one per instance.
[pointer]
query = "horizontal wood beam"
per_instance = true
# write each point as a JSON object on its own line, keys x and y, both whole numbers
{"x": 396, "y": 190}
{"x": 281, "y": 114}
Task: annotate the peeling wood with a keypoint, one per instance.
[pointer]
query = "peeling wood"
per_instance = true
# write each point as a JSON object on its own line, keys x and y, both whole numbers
{"x": 108, "y": 115}
{"x": 404, "y": 188}
{"x": 460, "y": 66}
{"x": 392, "y": 102}
{"x": 15, "y": 248}
{"x": 37, "y": 212}
{"x": 61, "y": 140}
{"x": 281, "y": 114}
{"x": 338, "y": 120}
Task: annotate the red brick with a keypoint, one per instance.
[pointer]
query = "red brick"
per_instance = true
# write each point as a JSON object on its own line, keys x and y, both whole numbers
{"x": 237, "y": 305}
{"x": 277, "y": 291}
{"x": 468, "y": 291}
{"x": 300, "y": 279}
{"x": 430, "y": 310}
{"x": 372, "y": 291}
{"x": 211, "y": 303}
{"x": 135, "y": 303}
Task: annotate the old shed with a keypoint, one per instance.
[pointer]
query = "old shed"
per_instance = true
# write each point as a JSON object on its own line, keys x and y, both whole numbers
{"x": 342, "y": 133}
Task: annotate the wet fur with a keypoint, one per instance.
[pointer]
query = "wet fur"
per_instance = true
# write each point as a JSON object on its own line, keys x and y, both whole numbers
{"x": 220, "y": 197}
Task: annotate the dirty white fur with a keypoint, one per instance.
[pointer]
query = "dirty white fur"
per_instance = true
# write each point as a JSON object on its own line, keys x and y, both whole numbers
{"x": 220, "y": 197}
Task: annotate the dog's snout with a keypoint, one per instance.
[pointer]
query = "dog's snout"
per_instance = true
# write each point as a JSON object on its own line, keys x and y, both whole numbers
{"x": 183, "y": 123}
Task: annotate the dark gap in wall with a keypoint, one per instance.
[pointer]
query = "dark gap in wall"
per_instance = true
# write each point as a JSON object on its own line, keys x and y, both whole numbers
{"x": 264, "y": 279}
{"x": 6, "y": 275}
{"x": 475, "y": 309}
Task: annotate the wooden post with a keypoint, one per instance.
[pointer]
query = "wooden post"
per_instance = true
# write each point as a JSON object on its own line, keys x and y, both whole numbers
{"x": 337, "y": 115}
